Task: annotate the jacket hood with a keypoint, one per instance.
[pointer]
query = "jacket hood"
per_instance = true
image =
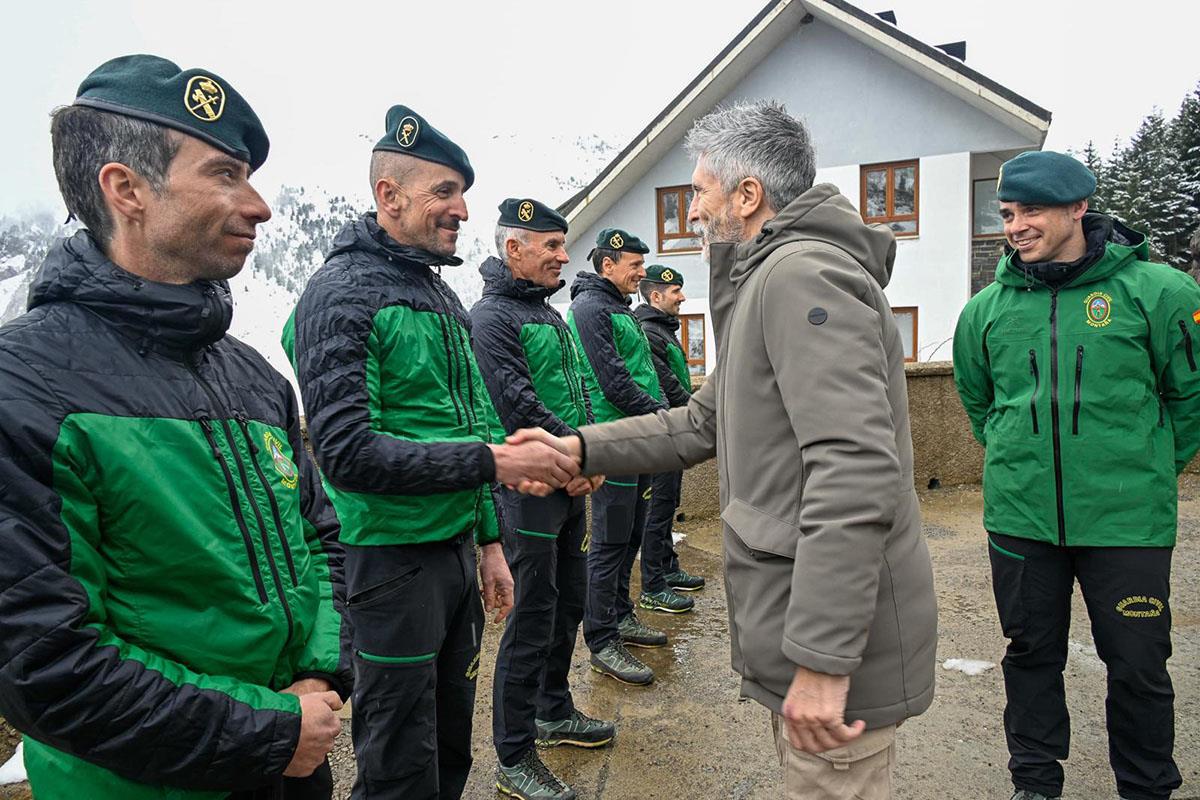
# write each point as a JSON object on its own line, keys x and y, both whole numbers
{"x": 648, "y": 313}
{"x": 499, "y": 280}
{"x": 170, "y": 318}
{"x": 1111, "y": 246}
{"x": 821, "y": 214}
{"x": 592, "y": 282}
{"x": 366, "y": 235}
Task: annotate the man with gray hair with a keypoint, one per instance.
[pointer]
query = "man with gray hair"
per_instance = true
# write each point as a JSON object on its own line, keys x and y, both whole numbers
{"x": 832, "y": 611}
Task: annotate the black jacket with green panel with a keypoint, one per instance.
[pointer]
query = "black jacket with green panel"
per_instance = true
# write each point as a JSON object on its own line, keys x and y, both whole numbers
{"x": 1081, "y": 382}
{"x": 170, "y": 560}
{"x": 617, "y": 365}
{"x": 527, "y": 355}
{"x": 662, "y": 331}
{"x": 398, "y": 414}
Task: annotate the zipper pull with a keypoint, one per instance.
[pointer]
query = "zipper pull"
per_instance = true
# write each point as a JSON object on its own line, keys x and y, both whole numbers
{"x": 242, "y": 422}
{"x": 207, "y": 426}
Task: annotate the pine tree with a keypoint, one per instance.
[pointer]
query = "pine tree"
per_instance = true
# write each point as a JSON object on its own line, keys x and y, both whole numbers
{"x": 1185, "y": 140}
{"x": 1091, "y": 158}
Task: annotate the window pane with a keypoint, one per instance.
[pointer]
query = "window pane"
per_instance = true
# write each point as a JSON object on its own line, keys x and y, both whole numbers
{"x": 687, "y": 199}
{"x": 670, "y": 211}
{"x": 695, "y": 338}
{"x": 684, "y": 243}
{"x": 986, "y": 213}
{"x": 904, "y": 197}
{"x": 877, "y": 193}
{"x": 907, "y": 226}
{"x": 904, "y": 320}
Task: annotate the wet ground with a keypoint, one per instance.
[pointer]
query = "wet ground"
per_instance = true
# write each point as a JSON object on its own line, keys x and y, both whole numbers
{"x": 687, "y": 736}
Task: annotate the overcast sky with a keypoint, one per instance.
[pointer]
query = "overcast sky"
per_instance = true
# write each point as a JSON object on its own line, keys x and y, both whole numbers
{"x": 321, "y": 76}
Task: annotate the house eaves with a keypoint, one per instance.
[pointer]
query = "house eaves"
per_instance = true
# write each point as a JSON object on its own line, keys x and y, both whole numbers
{"x": 752, "y": 44}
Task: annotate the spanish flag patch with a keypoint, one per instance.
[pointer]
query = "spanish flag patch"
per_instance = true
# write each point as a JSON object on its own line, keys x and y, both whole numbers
{"x": 1196, "y": 316}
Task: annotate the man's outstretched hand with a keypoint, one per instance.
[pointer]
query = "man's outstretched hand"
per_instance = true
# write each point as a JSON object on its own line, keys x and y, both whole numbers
{"x": 814, "y": 712}
{"x": 533, "y": 461}
{"x": 568, "y": 447}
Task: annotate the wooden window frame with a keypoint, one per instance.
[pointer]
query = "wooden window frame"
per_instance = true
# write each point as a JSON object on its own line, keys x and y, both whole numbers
{"x": 684, "y": 232}
{"x": 909, "y": 358}
{"x": 683, "y": 339}
{"x": 889, "y": 216}
{"x": 974, "y": 235}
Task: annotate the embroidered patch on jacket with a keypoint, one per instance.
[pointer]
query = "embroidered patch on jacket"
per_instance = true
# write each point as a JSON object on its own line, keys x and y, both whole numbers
{"x": 204, "y": 98}
{"x": 1099, "y": 309}
{"x": 1140, "y": 606}
{"x": 283, "y": 465}
{"x": 1196, "y": 316}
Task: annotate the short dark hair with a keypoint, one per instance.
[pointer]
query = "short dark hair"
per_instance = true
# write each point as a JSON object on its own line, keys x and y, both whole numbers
{"x": 646, "y": 287}
{"x": 601, "y": 253}
{"x": 85, "y": 139}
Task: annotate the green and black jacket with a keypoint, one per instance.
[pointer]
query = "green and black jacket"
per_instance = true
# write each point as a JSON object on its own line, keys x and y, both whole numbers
{"x": 662, "y": 331}
{"x": 527, "y": 355}
{"x": 617, "y": 366}
{"x": 1081, "y": 382}
{"x": 398, "y": 414}
{"x": 170, "y": 560}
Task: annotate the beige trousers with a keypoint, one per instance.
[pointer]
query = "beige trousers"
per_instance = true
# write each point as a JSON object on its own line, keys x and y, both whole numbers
{"x": 860, "y": 770}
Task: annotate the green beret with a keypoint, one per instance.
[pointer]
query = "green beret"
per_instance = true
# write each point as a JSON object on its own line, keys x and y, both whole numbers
{"x": 1044, "y": 178}
{"x": 617, "y": 239}
{"x": 517, "y": 212}
{"x": 408, "y": 132}
{"x": 197, "y": 102}
{"x": 657, "y": 273}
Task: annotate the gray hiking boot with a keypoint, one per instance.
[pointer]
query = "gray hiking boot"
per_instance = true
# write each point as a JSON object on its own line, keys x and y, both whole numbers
{"x": 530, "y": 779}
{"x": 635, "y": 634}
{"x": 616, "y": 662}
{"x": 668, "y": 601}
{"x": 578, "y": 729}
{"x": 1026, "y": 794}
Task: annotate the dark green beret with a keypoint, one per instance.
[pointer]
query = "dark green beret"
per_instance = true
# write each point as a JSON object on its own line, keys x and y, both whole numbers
{"x": 657, "y": 273}
{"x": 408, "y": 132}
{"x": 197, "y": 102}
{"x": 617, "y": 239}
{"x": 524, "y": 212}
{"x": 1044, "y": 178}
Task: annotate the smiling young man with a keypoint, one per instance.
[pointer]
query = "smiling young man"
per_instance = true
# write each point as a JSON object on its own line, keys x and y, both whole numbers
{"x": 532, "y": 371}
{"x": 621, "y": 382}
{"x": 1078, "y": 370}
{"x": 168, "y": 621}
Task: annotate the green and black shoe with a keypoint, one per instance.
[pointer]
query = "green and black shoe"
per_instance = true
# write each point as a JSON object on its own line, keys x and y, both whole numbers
{"x": 635, "y": 634}
{"x": 578, "y": 729}
{"x": 668, "y": 601}
{"x": 1026, "y": 794}
{"x": 617, "y": 662}
{"x": 684, "y": 581}
{"x": 530, "y": 779}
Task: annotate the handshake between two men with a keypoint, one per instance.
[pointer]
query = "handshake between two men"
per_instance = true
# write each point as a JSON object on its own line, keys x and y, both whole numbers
{"x": 534, "y": 461}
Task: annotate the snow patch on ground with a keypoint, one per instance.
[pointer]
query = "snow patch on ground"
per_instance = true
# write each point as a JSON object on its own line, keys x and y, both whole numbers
{"x": 13, "y": 770}
{"x": 677, "y": 537}
{"x": 967, "y": 665}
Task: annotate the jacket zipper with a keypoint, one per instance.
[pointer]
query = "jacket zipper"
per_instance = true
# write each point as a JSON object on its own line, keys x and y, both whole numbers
{"x": 1078, "y": 389}
{"x": 1187, "y": 345}
{"x": 1054, "y": 425}
{"x": 262, "y": 525}
{"x": 1037, "y": 386}
{"x": 451, "y": 372}
{"x": 569, "y": 373}
{"x": 278, "y": 518}
{"x": 206, "y": 426}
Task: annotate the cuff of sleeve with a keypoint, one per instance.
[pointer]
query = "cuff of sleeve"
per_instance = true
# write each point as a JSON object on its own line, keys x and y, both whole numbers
{"x": 487, "y": 464}
{"x": 582, "y": 452}
{"x": 819, "y": 662}
{"x": 335, "y": 683}
{"x": 287, "y": 739}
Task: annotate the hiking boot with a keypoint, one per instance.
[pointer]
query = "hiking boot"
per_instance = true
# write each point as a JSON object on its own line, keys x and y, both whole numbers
{"x": 578, "y": 729}
{"x": 616, "y": 662}
{"x": 1026, "y": 794}
{"x": 635, "y": 634}
{"x": 530, "y": 779}
{"x": 667, "y": 601}
{"x": 683, "y": 581}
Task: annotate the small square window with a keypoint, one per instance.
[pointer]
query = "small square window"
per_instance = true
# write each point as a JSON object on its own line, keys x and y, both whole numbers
{"x": 891, "y": 195}
{"x": 691, "y": 330}
{"x": 674, "y": 233}
{"x": 985, "y": 209}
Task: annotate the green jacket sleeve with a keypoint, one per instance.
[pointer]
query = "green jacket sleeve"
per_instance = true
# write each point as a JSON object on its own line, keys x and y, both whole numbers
{"x": 972, "y": 370}
{"x": 1174, "y": 340}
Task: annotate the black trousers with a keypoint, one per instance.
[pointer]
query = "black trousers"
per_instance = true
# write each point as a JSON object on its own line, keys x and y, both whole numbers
{"x": 658, "y": 551}
{"x": 318, "y": 786}
{"x": 417, "y": 621}
{"x": 545, "y": 548}
{"x": 618, "y": 521}
{"x": 1127, "y": 591}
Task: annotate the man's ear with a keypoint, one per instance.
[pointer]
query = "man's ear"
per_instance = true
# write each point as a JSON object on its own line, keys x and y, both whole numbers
{"x": 512, "y": 248}
{"x": 389, "y": 198}
{"x": 749, "y": 197}
{"x": 124, "y": 191}
{"x": 606, "y": 265}
{"x": 1078, "y": 209}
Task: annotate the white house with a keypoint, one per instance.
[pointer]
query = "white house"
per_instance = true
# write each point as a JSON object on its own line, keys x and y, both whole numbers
{"x": 907, "y": 131}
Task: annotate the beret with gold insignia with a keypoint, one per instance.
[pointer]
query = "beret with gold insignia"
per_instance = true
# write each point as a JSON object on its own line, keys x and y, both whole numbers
{"x": 1044, "y": 178}
{"x": 408, "y": 132}
{"x": 197, "y": 102}
{"x": 657, "y": 273}
{"x": 617, "y": 239}
{"x": 524, "y": 212}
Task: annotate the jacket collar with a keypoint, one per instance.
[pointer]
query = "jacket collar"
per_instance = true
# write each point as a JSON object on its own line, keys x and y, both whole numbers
{"x": 592, "y": 282}
{"x": 648, "y": 313}
{"x": 366, "y": 235}
{"x": 499, "y": 280}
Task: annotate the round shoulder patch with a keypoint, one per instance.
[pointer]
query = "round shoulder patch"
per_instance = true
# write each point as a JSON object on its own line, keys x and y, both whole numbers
{"x": 1098, "y": 306}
